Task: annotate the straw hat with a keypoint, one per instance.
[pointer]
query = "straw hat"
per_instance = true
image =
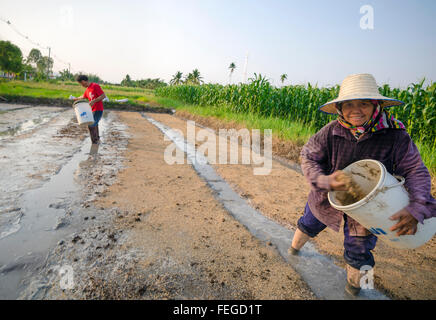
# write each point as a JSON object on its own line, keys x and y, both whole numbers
{"x": 359, "y": 86}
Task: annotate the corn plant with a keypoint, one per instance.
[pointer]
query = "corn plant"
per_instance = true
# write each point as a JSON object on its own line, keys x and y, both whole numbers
{"x": 300, "y": 103}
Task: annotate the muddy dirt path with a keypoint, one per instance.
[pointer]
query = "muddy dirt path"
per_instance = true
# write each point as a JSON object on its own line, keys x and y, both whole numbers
{"x": 158, "y": 232}
{"x": 46, "y": 189}
{"x": 168, "y": 238}
{"x": 282, "y": 195}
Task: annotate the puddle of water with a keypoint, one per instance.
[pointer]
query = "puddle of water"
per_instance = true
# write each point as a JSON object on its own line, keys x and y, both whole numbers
{"x": 321, "y": 274}
{"x": 42, "y": 207}
{"x": 29, "y": 160}
{"x": 18, "y": 119}
{"x": 5, "y": 107}
{"x": 43, "y": 211}
{"x": 35, "y": 232}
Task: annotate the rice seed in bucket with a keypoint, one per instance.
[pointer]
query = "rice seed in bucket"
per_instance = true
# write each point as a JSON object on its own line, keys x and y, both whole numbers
{"x": 353, "y": 193}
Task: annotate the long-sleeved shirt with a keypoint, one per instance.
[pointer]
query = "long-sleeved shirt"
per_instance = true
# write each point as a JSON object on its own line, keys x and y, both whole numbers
{"x": 334, "y": 148}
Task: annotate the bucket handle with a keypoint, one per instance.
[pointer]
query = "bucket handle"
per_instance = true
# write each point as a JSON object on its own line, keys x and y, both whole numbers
{"x": 399, "y": 183}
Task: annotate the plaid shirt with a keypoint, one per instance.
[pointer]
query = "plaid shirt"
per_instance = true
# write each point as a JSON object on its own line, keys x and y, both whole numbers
{"x": 334, "y": 148}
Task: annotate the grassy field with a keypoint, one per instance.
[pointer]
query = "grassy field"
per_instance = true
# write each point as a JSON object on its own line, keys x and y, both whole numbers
{"x": 300, "y": 103}
{"x": 296, "y": 107}
{"x": 286, "y": 128}
{"x": 65, "y": 89}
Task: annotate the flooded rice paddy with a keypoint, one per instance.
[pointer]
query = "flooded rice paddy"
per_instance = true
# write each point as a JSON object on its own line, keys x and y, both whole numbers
{"x": 48, "y": 176}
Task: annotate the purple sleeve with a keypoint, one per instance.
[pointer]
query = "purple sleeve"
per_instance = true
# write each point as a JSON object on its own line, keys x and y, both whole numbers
{"x": 418, "y": 182}
{"x": 313, "y": 160}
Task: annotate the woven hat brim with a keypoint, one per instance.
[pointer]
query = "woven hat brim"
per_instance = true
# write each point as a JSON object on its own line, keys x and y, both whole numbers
{"x": 385, "y": 102}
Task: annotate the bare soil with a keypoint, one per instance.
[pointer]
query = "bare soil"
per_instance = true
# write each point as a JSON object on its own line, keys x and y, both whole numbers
{"x": 282, "y": 148}
{"x": 185, "y": 243}
{"x": 282, "y": 195}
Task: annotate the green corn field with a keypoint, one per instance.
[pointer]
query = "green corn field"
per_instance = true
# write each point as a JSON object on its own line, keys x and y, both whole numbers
{"x": 300, "y": 103}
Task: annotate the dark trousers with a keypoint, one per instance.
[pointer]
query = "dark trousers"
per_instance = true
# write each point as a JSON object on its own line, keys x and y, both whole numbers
{"x": 357, "y": 251}
{"x": 93, "y": 128}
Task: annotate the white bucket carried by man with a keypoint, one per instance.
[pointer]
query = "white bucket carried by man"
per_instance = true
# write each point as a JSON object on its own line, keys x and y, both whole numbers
{"x": 83, "y": 112}
{"x": 385, "y": 196}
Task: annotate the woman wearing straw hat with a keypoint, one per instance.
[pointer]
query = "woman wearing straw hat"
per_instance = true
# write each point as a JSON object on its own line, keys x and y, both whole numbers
{"x": 363, "y": 130}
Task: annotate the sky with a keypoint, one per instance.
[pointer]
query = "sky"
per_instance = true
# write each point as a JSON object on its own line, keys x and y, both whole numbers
{"x": 314, "y": 41}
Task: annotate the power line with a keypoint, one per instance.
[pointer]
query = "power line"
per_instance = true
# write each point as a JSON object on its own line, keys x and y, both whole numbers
{"x": 60, "y": 60}
{"x": 31, "y": 41}
{"x": 22, "y": 35}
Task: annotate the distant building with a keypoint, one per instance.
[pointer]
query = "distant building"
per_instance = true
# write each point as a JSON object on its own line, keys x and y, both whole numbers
{"x": 55, "y": 75}
{"x": 7, "y": 75}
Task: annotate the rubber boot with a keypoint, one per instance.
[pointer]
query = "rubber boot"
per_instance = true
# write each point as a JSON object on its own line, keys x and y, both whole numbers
{"x": 300, "y": 238}
{"x": 94, "y": 135}
{"x": 90, "y": 134}
{"x": 98, "y": 134}
{"x": 353, "y": 281}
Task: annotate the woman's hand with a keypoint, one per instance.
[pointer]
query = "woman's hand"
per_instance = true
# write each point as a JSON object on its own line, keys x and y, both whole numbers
{"x": 91, "y": 103}
{"x": 335, "y": 184}
{"x": 407, "y": 223}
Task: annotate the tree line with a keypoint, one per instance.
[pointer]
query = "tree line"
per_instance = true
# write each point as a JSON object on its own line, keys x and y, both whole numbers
{"x": 35, "y": 66}
{"x": 39, "y": 67}
{"x": 143, "y": 83}
{"x": 194, "y": 77}
{"x": 14, "y": 64}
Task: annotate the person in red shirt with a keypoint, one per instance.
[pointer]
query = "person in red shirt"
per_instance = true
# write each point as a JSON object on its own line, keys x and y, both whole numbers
{"x": 95, "y": 95}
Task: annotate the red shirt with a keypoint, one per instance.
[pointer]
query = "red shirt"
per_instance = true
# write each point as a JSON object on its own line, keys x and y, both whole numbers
{"x": 93, "y": 92}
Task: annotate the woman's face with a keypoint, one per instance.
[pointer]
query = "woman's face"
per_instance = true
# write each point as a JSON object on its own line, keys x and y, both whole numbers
{"x": 357, "y": 112}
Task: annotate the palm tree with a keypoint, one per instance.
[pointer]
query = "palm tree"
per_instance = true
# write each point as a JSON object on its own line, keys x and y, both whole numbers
{"x": 177, "y": 79}
{"x": 232, "y": 68}
{"x": 188, "y": 79}
{"x": 194, "y": 78}
{"x": 127, "y": 81}
{"x": 283, "y": 77}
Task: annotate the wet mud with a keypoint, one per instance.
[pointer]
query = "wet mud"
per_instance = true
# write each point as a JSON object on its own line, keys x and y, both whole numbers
{"x": 18, "y": 119}
{"x": 282, "y": 196}
{"x": 52, "y": 179}
{"x": 127, "y": 226}
{"x": 169, "y": 239}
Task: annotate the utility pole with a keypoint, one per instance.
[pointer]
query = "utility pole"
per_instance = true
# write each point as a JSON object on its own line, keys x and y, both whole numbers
{"x": 48, "y": 63}
{"x": 245, "y": 67}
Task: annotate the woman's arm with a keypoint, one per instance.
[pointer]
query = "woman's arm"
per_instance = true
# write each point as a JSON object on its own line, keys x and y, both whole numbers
{"x": 418, "y": 181}
{"x": 314, "y": 163}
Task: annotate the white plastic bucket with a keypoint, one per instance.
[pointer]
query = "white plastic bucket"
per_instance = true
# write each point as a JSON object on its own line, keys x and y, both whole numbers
{"x": 83, "y": 112}
{"x": 385, "y": 196}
